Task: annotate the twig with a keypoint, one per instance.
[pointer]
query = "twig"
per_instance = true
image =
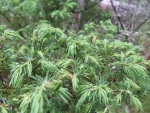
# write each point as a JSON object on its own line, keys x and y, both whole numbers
{"x": 133, "y": 18}
{"x": 142, "y": 23}
{"x": 118, "y": 17}
{"x": 3, "y": 79}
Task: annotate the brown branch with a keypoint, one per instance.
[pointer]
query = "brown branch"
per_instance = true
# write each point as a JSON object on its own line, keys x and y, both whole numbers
{"x": 142, "y": 23}
{"x": 133, "y": 17}
{"x": 3, "y": 79}
{"x": 118, "y": 17}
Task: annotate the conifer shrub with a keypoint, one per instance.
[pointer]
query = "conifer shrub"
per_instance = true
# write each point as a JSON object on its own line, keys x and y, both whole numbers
{"x": 62, "y": 72}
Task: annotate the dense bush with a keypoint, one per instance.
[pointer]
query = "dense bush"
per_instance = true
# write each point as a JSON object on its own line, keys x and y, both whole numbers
{"x": 59, "y": 71}
{"x": 51, "y": 71}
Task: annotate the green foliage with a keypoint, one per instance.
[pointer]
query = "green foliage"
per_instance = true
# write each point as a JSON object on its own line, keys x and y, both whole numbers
{"x": 27, "y": 14}
{"x": 52, "y": 71}
{"x": 46, "y": 69}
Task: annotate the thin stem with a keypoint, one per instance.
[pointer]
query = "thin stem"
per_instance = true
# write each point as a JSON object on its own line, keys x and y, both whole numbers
{"x": 142, "y": 23}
